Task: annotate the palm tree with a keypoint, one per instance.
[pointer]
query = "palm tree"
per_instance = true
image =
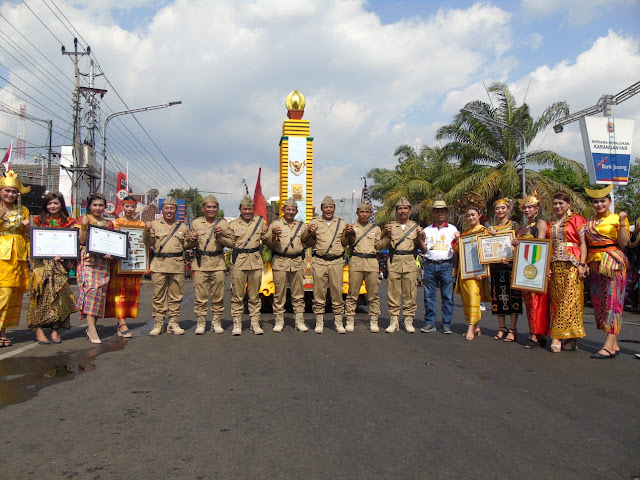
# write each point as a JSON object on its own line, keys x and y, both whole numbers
{"x": 418, "y": 176}
{"x": 474, "y": 141}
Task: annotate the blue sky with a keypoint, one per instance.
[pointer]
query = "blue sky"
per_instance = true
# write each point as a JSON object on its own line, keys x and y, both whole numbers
{"x": 376, "y": 74}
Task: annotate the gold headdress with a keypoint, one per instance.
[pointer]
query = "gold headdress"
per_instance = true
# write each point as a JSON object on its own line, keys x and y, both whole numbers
{"x": 470, "y": 200}
{"x": 11, "y": 180}
{"x": 601, "y": 193}
{"x": 528, "y": 200}
{"x": 504, "y": 201}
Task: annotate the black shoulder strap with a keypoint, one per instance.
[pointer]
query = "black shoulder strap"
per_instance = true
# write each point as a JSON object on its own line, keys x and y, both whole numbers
{"x": 334, "y": 236}
{"x": 294, "y": 236}
{"x": 353, "y": 248}
{"x": 211, "y": 234}
{"x": 169, "y": 237}
{"x": 406, "y": 234}
{"x": 254, "y": 231}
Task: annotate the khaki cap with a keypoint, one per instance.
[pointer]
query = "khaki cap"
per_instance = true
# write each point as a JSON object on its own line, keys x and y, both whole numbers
{"x": 364, "y": 206}
{"x": 328, "y": 201}
{"x": 290, "y": 203}
{"x": 403, "y": 202}
{"x": 209, "y": 199}
{"x": 246, "y": 201}
{"x": 169, "y": 201}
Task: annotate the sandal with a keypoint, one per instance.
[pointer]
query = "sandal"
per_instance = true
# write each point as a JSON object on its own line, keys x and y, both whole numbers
{"x": 502, "y": 330}
{"x": 124, "y": 333}
{"x": 531, "y": 344}
{"x": 600, "y": 356}
{"x": 5, "y": 342}
{"x": 556, "y": 347}
{"x": 514, "y": 332}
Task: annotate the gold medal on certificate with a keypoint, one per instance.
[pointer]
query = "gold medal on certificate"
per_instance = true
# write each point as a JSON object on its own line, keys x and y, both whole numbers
{"x": 530, "y": 272}
{"x": 532, "y": 254}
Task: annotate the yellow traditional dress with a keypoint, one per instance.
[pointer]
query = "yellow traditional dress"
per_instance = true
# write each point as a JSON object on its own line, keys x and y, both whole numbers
{"x": 607, "y": 271}
{"x": 472, "y": 291}
{"x": 123, "y": 294}
{"x": 14, "y": 267}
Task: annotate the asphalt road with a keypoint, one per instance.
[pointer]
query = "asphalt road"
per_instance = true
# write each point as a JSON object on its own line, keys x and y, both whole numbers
{"x": 304, "y": 406}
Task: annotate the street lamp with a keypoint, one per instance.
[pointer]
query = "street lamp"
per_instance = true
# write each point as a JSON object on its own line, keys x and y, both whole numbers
{"x": 117, "y": 114}
{"x": 483, "y": 118}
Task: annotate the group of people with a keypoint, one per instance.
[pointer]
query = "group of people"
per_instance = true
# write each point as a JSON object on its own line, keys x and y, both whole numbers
{"x": 580, "y": 248}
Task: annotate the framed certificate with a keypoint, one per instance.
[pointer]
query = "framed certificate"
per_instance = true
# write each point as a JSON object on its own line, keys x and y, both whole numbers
{"x": 531, "y": 265}
{"x": 54, "y": 242}
{"x": 493, "y": 248}
{"x": 137, "y": 261}
{"x": 469, "y": 264}
{"x": 103, "y": 241}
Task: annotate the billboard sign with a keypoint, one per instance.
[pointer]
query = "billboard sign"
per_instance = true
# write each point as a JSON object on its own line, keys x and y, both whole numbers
{"x": 607, "y": 148}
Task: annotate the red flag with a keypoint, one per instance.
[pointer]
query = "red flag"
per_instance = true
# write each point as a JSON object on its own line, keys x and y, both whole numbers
{"x": 260, "y": 203}
{"x": 6, "y": 161}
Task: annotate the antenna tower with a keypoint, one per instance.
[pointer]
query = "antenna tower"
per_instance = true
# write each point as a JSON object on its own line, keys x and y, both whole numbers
{"x": 19, "y": 159}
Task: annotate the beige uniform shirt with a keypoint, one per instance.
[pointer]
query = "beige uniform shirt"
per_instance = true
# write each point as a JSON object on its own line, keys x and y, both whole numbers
{"x": 368, "y": 244}
{"x": 325, "y": 232}
{"x": 284, "y": 241}
{"x": 401, "y": 263}
{"x": 209, "y": 263}
{"x": 236, "y": 236}
{"x": 160, "y": 231}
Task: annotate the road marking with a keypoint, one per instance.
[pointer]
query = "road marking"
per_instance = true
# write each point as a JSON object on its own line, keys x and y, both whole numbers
{"x": 36, "y": 344}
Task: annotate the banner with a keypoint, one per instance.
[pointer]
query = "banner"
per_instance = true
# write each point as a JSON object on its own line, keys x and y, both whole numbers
{"x": 607, "y": 148}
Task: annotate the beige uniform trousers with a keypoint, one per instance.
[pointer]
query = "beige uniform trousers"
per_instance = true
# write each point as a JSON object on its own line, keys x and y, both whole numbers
{"x": 371, "y": 283}
{"x": 402, "y": 286}
{"x": 328, "y": 276}
{"x": 208, "y": 285}
{"x": 167, "y": 293}
{"x": 296, "y": 279}
{"x": 252, "y": 278}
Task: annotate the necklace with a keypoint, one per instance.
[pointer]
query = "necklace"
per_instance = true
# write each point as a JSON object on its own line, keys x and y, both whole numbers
{"x": 599, "y": 220}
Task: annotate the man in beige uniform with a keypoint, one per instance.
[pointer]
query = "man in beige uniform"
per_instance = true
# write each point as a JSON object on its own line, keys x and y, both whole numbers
{"x": 325, "y": 237}
{"x": 364, "y": 239}
{"x": 169, "y": 239}
{"x": 284, "y": 239}
{"x": 208, "y": 266}
{"x": 403, "y": 238}
{"x": 245, "y": 235}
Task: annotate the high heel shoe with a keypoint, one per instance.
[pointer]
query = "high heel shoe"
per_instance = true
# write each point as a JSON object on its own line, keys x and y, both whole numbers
{"x": 92, "y": 341}
{"x": 126, "y": 333}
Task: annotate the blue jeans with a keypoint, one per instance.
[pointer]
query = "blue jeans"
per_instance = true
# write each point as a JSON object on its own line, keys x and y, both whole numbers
{"x": 438, "y": 275}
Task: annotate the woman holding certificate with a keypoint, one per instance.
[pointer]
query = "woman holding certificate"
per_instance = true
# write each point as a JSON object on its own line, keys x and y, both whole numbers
{"x": 537, "y": 303}
{"x": 568, "y": 269}
{"x": 93, "y": 269}
{"x": 472, "y": 290}
{"x": 14, "y": 252}
{"x": 607, "y": 234}
{"x": 123, "y": 294}
{"x": 504, "y": 301}
{"x": 51, "y": 301}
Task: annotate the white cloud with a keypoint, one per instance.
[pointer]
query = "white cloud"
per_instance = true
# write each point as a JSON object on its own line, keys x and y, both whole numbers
{"x": 533, "y": 41}
{"x": 579, "y": 11}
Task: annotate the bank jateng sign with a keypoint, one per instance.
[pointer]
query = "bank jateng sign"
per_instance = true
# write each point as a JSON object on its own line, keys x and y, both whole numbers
{"x": 607, "y": 147}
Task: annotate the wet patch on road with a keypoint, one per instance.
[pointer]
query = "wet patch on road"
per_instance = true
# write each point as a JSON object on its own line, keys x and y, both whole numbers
{"x": 21, "y": 378}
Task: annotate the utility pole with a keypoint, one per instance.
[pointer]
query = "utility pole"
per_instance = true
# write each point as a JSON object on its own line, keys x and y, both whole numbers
{"x": 50, "y": 122}
{"x": 75, "y": 56}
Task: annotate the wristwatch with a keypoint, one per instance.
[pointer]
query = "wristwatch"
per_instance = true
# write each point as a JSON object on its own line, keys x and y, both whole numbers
{"x": 582, "y": 264}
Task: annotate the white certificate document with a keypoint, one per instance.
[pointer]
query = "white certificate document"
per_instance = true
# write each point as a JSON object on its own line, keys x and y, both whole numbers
{"x": 107, "y": 242}
{"x": 54, "y": 242}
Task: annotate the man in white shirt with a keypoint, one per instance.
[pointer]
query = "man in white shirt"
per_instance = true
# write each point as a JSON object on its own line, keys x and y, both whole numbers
{"x": 439, "y": 268}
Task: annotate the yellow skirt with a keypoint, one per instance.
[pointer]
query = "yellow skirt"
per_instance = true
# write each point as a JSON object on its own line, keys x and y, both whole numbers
{"x": 472, "y": 292}
{"x": 10, "y": 306}
{"x": 566, "y": 293}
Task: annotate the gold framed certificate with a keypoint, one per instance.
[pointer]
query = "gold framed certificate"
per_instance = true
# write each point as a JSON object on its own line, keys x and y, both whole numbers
{"x": 137, "y": 261}
{"x": 494, "y": 248}
{"x": 49, "y": 242}
{"x": 103, "y": 241}
{"x": 469, "y": 264}
{"x": 531, "y": 265}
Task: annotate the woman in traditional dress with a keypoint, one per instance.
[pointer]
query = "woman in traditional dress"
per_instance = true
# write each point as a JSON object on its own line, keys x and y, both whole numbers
{"x": 537, "y": 303}
{"x": 51, "y": 301}
{"x": 14, "y": 252}
{"x": 93, "y": 270}
{"x": 123, "y": 294}
{"x": 504, "y": 301}
{"x": 472, "y": 290}
{"x": 568, "y": 269}
{"x": 607, "y": 234}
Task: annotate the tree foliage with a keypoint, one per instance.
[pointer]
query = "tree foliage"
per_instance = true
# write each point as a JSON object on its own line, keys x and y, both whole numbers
{"x": 627, "y": 197}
